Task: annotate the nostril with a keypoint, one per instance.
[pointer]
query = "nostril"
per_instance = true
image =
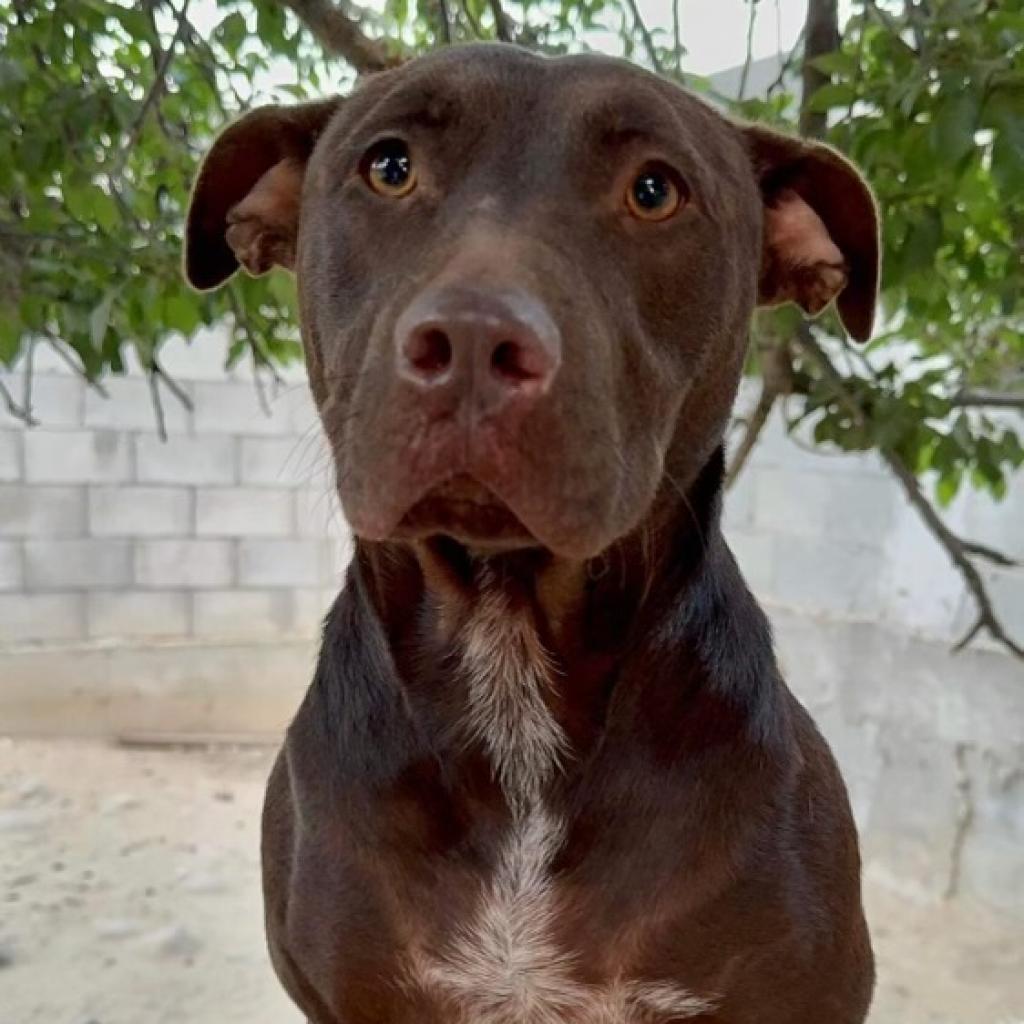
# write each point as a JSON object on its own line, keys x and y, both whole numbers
{"x": 429, "y": 352}
{"x": 512, "y": 362}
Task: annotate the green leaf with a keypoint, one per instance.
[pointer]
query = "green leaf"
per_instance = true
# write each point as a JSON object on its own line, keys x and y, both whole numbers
{"x": 947, "y": 488}
{"x": 954, "y": 123}
{"x": 840, "y": 62}
{"x": 10, "y": 340}
{"x": 836, "y": 94}
{"x": 232, "y": 32}
{"x": 99, "y": 318}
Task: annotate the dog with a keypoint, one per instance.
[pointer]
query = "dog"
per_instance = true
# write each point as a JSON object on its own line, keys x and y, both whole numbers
{"x": 547, "y": 770}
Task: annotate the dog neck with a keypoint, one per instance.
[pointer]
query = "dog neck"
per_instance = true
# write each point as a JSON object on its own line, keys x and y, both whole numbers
{"x": 561, "y": 628}
{"x": 588, "y": 602}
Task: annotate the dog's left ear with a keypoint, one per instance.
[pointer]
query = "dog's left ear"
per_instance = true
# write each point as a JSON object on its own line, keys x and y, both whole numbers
{"x": 245, "y": 203}
{"x": 820, "y": 229}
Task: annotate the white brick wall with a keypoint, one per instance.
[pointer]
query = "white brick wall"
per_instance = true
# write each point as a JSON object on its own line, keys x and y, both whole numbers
{"x": 133, "y": 511}
{"x": 108, "y": 533}
{"x": 135, "y": 613}
{"x": 244, "y": 512}
{"x": 283, "y": 563}
{"x": 185, "y": 460}
{"x": 77, "y": 456}
{"x": 78, "y": 564}
{"x": 41, "y": 510}
{"x": 192, "y": 564}
{"x": 12, "y": 576}
{"x": 10, "y": 455}
{"x": 41, "y": 617}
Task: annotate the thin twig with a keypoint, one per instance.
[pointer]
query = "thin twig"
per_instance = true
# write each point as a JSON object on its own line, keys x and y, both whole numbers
{"x": 15, "y": 409}
{"x": 677, "y": 37}
{"x": 158, "y": 406}
{"x": 972, "y": 547}
{"x": 956, "y": 549}
{"x": 745, "y": 73}
{"x": 787, "y": 64}
{"x": 28, "y": 377}
{"x": 645, "y": 35}
{"x": 58, "y": 346}
{"x": 754, "y": 425}
{"x": 261, "y": 391}
{"x": 171, "y": 384}
{"x": 154, "y": 92}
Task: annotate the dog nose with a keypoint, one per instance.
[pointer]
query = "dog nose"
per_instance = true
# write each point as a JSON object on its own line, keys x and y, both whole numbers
{"x": 499, "y": 347}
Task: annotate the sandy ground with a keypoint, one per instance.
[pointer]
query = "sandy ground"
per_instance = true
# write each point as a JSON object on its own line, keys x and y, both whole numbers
{"x": 129, "y": 894}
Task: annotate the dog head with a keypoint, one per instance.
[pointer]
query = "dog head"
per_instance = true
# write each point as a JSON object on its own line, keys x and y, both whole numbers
{"x": 526, "y": 283}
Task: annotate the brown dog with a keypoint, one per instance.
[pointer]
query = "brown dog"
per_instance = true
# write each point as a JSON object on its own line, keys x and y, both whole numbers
{"x": 547, "y": 770}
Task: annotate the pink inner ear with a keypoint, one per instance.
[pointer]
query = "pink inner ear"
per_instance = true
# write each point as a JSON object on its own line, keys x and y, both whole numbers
{"x": 801, "y": 262}
{"x": 796, "y": 234}
{"x": 261, "y": 228}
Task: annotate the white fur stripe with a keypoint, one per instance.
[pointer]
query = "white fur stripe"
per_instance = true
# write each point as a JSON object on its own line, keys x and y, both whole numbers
{"x": 506, "y": 966}
{"x": 508, "y": 671}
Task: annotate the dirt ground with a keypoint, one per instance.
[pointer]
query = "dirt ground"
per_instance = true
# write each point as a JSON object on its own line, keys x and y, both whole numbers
{"x": 129, "y": 894}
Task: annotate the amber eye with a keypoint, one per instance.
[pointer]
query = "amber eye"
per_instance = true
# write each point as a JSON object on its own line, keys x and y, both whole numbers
{"x": 654, "y": 194}
{"x": 388, "y": 170}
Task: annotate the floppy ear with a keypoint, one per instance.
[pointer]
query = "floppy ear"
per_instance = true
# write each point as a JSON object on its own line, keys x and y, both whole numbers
{"x": 820, "y": 229}
{"x": 245, "y": 202}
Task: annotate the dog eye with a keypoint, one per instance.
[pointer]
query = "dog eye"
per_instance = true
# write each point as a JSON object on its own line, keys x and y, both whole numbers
{"x": 656, "y": 193}
{"x": 388, "y": 169}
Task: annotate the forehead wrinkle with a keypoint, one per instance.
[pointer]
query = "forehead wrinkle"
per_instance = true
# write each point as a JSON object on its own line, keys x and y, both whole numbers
{"x": 617, "y": 118}
{"x": 393, "y": 100}
{"x": 621, "y": 121}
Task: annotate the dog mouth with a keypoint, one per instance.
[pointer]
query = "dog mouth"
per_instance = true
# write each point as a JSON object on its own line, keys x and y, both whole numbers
{"x": 466, "y": 510}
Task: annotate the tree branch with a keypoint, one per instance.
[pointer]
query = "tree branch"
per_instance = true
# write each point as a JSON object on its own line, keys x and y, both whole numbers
{"x": 155, "y": 90}
{"x": 474, "y": 25}
{"x": 755, "y": 424}
{"x": 956, "y": 549}
{"x": 446, "y": 21}
{"x": 741, "y": 91}
{"x": 503, "y": 28}
{"x": 972, "y": 547}
{"x": 988, "y": 399}
{"x": 645, "y": 35}
{"x": 158, "y": 405}
{"x": 677, "y": 38}
{"x": 18, "y": 411}
{"x": 821, "y": 36}
{"x": 341, "y": 34}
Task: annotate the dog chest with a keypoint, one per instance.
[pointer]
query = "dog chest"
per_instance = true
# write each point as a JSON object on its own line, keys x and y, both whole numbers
{"x": 507, "y": 962}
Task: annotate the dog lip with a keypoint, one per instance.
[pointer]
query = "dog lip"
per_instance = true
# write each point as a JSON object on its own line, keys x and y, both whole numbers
{"x": 462, "y": 507}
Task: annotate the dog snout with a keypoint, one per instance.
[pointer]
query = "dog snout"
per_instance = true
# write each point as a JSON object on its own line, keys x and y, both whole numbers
{"x": 491, "y": 347}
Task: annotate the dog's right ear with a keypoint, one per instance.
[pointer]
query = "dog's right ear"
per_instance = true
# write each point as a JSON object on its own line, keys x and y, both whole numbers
{"x": 245, "y": 203}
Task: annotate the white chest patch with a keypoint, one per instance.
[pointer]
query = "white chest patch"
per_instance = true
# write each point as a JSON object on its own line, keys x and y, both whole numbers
{"x": 505, "y": 965}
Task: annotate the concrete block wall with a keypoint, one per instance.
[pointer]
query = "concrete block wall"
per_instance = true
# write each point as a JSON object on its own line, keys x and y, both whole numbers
{"x": 108, "y": 533}
{"x": 833, "y": 536}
